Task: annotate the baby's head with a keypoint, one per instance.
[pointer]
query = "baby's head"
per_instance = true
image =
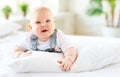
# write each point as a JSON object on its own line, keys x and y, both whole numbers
{"x": 42, "y": 23}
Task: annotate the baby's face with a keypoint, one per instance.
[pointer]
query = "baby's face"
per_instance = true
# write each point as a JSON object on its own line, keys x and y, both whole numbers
{"x": 42, "y": 24}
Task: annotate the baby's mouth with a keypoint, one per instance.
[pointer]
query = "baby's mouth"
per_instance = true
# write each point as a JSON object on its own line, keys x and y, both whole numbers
{"x": 44, "y": 31}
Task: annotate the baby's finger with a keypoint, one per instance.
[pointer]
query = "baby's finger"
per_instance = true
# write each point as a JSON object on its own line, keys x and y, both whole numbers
{"x": 65, "y": 66}
{"x": 68, "y": 68}
{"x": 62, "y": 67}
{"x": 60, "y": 61}
{"x": 29, "y": 52}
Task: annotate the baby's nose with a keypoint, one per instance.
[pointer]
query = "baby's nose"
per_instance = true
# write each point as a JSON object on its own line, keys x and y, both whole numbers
{"x": 43, "y": 24}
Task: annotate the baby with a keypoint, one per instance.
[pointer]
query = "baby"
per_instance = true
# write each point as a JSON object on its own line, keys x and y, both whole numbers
{"x": 45, "y": 37}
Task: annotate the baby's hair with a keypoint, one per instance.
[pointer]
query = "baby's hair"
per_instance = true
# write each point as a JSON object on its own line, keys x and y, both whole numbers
{"x": 39, "y": 10}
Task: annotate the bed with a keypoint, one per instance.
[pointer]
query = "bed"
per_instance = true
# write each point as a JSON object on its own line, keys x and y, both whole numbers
{"x": 109, "y": 70}
{"x": 98, "y": 56}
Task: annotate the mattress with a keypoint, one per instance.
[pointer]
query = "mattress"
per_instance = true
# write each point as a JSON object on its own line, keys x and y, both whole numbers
{"x": 108, "y": 71}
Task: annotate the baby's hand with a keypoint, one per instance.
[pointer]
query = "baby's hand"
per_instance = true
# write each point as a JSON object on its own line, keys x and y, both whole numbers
{"x": 24, "y": 54}
{"x": 65, "y": 64}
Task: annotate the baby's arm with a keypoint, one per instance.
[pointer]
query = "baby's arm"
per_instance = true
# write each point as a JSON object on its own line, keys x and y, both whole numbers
{"x": 70, "y": 55}
{"x": 19, "y": 52}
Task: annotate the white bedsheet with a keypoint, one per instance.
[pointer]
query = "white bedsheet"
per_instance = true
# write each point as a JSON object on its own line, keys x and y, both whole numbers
{"x": 5, "y": 43}
{"x": 111, "y": 71}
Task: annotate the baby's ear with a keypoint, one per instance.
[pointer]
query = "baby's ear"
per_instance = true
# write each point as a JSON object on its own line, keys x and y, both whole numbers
{"x": 29, "y": 27}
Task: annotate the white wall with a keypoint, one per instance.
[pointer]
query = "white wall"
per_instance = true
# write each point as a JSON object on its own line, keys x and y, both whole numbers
{"x": 65, "y": 22}
{"x": 85, "y": 25}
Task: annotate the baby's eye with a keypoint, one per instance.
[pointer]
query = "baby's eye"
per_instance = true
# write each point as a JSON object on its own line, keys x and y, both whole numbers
{"x": 38, "y": 22}
{"x": 47, "y": 20}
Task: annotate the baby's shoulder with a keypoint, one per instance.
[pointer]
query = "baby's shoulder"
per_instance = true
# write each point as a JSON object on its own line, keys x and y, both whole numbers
{"x": 59, "y": 32}
{"x": 60, "y": 35}
{"x": 28, "y": 36}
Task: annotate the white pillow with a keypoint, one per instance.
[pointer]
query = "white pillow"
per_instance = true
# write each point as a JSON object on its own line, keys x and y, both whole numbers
{"x": 7, "y": 27}
{"x": 37, "y": 62}
{"x": 93, "y": 53}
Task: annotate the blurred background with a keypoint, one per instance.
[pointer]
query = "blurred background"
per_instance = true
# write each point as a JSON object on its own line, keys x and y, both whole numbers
{"x": 76, "y": 17}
